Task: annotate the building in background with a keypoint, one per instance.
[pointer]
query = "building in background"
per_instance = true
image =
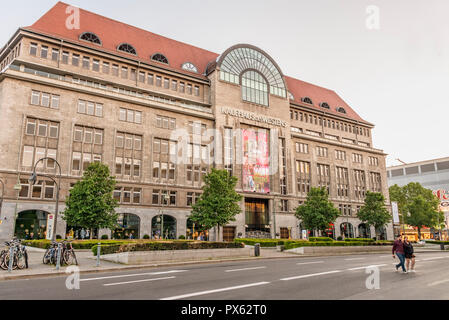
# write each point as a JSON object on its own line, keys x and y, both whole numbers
{"x": 105, "y": 91}
{"x": 433, "y": 175}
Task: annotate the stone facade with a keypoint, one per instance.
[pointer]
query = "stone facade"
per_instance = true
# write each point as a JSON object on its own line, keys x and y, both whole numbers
{"x": 26, "y": 72}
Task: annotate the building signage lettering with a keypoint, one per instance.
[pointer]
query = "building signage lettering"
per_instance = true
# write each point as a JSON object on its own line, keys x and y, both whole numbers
{"x": 254, "y": 117}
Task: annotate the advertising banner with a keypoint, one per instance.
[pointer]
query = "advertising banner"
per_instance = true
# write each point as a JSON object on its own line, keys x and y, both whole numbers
{"x": 256, "y": 167}
{"x": 50, "y": 226}
{"x": 394, "y": 206}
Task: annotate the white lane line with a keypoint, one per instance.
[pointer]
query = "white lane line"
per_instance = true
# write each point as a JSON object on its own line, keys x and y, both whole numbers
{"x": 354, "y": 259}
{"x": 135, "y": 275}
{"x": 435, "y": 258}
{"x": 314, "y": 262}
{"x": 137, "y": 281}
{"x": 246, "y": 269}
{"x": 310, "y": 275}
{"x": 365, "y": 267}
{"x": 437, "y": 283}
{"x": 201, "y": 293}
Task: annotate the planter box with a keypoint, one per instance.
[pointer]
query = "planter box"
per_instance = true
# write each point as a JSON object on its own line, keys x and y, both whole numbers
{"x": 339, "y": 250}
{"x": 149, "y": 257}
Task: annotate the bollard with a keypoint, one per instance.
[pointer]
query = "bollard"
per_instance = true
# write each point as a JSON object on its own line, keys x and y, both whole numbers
{"x": 58, "y": 257}
{"x": 11, "y": 258}
{"x": 442, "y": 246}
{"x": 257, "y": 249}
{"x": 98, "y": 254}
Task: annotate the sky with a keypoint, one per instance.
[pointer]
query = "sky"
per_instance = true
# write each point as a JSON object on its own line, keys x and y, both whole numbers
{"x": 388, "y": 59}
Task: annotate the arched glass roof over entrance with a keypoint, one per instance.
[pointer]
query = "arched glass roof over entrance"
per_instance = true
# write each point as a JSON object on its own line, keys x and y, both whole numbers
{"x": 240, "y": 58}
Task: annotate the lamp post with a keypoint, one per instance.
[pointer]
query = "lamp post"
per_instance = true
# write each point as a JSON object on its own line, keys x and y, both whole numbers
{"x": 18, "y": 188}
{"x": 33, "y": 180}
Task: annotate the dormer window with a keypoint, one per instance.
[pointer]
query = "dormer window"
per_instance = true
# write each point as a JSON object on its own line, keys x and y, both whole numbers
{"x": 325, "y": 105}
{"x": 341, "y": 110}
{"x": 125, "y": 47}
{"x": 307, "y": 100}
{"x": 159, "y": 57}
{"x": 188, "y": 67}
{"x": 90, "y": 37}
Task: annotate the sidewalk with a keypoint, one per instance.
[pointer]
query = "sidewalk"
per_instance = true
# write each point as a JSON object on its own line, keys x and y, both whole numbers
{"x": 87, "y": 263}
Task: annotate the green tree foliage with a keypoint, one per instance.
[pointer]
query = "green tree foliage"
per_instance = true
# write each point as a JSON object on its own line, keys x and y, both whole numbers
{"x": 219, "y": 203}
{"x": 418, "y": 206}
{"x": 90, "y": 203}
{"x": 317, "y": 212}
{"x": 374, "y": 213}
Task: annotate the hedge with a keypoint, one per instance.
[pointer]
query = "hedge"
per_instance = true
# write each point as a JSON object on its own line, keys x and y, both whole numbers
{"x": 319, "y": 239}
{"x": 86, "y": 244}
{"x": 446, "y": 243}
{"x": 294, "y": 245}
{"x": 164, "y": 246}
{"x": 359, "y": 239}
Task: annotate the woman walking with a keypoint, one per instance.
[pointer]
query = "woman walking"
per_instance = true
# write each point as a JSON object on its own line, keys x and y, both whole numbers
{"x": 409, "y": 255}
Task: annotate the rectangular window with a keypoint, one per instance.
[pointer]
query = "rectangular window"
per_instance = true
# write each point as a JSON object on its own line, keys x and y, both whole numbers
{"x": 133, "y": 74}
{"x": 182, "y": 87}
{"x": 197, "y": 91}
{"x": 37, "y": 190}
{"x": 27, "y": 159}
{"x": 54, "y": 128}
{"x": 88, "y": 135}
{"x": 150, "y": 79}
{"x": 78, "y": 134}
{"x": 65, "y": 57}
{"x": 54, "y": 101}
{"x": 96, "y": 65}
{"x": 90, "y": 108}
{"x": 137, "y": 195}
{"x": 124, "y": 73}
{"x": 99, "y": 110}
{"x": 189, "y": 89}
{"x": 158, "y": 81}
{"x": 118, "y": 165}
{"x": 137, "y": 117}
{"x": 142, "y": 77}
{"x": 98, "y": 137}
{"x": 86, "y": 62}
{"x": 44, "y": 52}
{"x": 33, "y": 49}
{"x": 130, "y": 116}
{"x": 45, "y": 100}
{"x": 122, "y": 115}
{"x": 31, "y": 127}
{"x": 81, "y": 106}
{"x": 42, "y": 130}
{"x": 115, "y": 70}
{"x": 174, "y": 85}
{"x": 166, "y": 83}
{"x": 35, "y": 97}
{"x": 75, "y": 60}
{"x": 106, "y": 67}
{"x": 55, "y": 54}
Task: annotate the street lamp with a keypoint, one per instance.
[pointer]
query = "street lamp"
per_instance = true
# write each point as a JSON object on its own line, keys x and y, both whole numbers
{"x": 33, "y": 179}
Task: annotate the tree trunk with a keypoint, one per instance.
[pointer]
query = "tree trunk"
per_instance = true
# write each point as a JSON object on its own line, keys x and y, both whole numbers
{"x": 91, "y": 234}
{"x": 218, "y": 233}
{"x": 419, "y": 233}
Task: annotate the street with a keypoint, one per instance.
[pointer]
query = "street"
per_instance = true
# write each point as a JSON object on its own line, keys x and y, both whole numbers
{"x": 313, "y": 278}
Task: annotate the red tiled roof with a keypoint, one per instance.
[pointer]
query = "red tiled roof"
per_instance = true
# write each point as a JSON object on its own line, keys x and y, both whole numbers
{"x": 301, "y": 89}
{"x": 112, "y": 33}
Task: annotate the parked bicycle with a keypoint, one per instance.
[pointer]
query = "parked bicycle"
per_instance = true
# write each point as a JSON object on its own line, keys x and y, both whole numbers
{"x": 19, "y": 255}
{"x": 67, "y": 254}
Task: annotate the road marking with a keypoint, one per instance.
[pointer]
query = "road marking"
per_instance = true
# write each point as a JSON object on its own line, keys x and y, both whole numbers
{"x": 314, "y": 262}
{"x": 201, "y": 293}
{"x": 374, "y": 266}
{"x": 353, "y": 259}
{"x": 384, "y": 256}
{"x": 246, "y": 269}
{"x": 435, "y": 258}
{"x": 137, "y": 281}
{"x": 310, "y": 275}
{"x": 437, "y": 283}
{"x": 134, "y": 275}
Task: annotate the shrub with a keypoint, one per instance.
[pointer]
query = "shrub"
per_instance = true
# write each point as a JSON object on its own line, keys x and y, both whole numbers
{"x": 335, "y": 244}
{"x": 104, "y": 237}
{"x": 58, "y": 237}
{"x": 146, "y": 237}
{"x": 319, "y": 239}
{"x": 182, "y": 237}
{"x": 340, "y": 238}
{"x": 164, "y": 246}
{"x": 359, "y": 239}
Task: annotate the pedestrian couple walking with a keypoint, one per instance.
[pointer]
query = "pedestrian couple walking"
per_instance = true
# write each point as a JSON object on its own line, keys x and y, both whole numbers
{"x": 405, "y": 252}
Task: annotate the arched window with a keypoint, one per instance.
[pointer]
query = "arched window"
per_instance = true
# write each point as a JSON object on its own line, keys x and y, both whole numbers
{"x": 159, "y": 58}
{"x": 189, "y": 67}
{"x": 254, "y": 88}
{"x": 241, "y": 58}
{"x": 325, "y": 105}
{"x": 91, "y": 37}
{"x": 307, "y": 100}
{"x": 341, "y": 110}
{"x": 125, "y": 47}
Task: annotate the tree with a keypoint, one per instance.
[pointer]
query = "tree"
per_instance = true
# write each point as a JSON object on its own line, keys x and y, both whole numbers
{"x": 374, "y": 213}
{"x": 91, "y": 204}
{"x": 317, "y": 212}
{"x": 219, "y": 203}
{"x": 418, "y": 206}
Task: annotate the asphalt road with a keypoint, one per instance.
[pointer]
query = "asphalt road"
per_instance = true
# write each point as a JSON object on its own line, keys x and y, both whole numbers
{"x": 318, "y": 278}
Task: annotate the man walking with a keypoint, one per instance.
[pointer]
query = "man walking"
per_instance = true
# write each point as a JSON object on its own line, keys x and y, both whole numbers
{"x": 398, "y": 248}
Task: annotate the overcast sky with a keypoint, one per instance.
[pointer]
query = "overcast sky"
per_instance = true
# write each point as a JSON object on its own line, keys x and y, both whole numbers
{"x": 396, "y": 76}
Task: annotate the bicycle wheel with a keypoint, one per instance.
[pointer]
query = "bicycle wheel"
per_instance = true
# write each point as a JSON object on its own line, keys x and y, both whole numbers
{"x": 70, "y": 258}
{"x": 2, "y": 260}
{"x": 14, "y": 262}
{"x": 46, "y": 258}
{"x": 20, "y": 260}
